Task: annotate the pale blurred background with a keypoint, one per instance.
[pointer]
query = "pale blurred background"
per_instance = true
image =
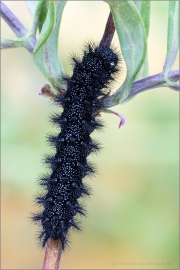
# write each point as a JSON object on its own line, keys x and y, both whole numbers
{"x": 133, "y": 213}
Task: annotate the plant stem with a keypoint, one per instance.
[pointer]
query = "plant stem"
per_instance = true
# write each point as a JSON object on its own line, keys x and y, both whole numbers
{"x": 17, "y": 27}
{"x": 154, "y": 81}
{"x": 108, "y": 32}
{"x": 52, "y": 255}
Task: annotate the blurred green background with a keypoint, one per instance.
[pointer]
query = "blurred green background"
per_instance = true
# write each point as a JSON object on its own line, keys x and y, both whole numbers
{"x": 133, "y": 213}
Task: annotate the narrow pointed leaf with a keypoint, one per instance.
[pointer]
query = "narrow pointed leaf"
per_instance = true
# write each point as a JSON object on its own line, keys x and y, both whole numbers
{"x": 43, "y": 15}
{"x": 172, "y": 40}
{"x": 132, "y": 37}
{"x": 47, "y": 26}
{"x": 46, "y": 55}
{"x": 144, "y": 9}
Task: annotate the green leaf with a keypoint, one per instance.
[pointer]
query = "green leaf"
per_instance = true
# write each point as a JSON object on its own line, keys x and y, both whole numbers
{"x": 33, "y": 7}
{"x": 43, "y": 15}
{"x": 132, "y": 37}
{"x": 144, "y": 9}
{"x": 172, "y": 39}
{"x": 47, "y": 26}
{"x": 46, "y": 55}
{"x": 36, "y": 18}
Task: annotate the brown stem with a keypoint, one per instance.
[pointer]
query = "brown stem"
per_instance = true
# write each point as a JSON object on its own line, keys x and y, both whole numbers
{"x": 52, "y": 255}
{"x": 108, "y": 32}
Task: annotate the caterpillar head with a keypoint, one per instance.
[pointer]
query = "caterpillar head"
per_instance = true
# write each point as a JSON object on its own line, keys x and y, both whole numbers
{"x": 109, "y": 58}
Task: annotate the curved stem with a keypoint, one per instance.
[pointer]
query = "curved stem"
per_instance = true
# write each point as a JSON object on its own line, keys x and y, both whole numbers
{"x": 17, "y": 27}
{"x": 154, "y": 81}
{"x": 108, "y": 32}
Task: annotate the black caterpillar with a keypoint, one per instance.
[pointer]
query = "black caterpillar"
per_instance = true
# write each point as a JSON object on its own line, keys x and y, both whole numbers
{"x": 64, "y": 186}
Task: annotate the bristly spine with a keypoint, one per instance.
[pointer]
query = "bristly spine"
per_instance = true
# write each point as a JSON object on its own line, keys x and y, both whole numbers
{"x": 64, "y": 186}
